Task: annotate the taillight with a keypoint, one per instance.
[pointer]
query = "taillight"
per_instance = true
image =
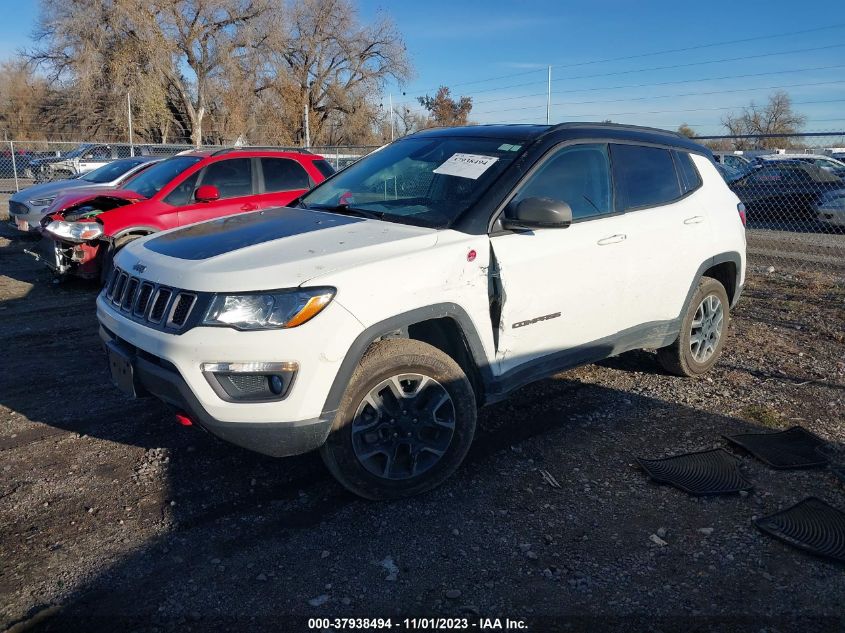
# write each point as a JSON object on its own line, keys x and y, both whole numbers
{"x": 741, "y": 210}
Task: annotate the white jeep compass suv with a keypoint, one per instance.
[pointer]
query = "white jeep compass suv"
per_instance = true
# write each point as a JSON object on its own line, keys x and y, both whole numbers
{"x": 374, "y": 318}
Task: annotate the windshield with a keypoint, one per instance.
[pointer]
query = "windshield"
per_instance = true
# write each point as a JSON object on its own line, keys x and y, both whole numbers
{"x": 111, "y": 171}
{"x": 422, "y": 181}
{"x": 76, "y": 151}
{"x": 150, "y": 181}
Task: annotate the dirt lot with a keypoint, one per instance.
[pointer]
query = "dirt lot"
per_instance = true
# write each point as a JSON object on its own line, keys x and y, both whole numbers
{"x": 115, "y": 518}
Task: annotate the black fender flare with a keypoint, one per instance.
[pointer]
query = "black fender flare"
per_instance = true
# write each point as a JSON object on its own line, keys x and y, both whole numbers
{"x": 397, "y": 323}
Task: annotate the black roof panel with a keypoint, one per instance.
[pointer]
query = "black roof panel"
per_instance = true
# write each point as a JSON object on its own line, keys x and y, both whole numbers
{"x": 513, "y": 132}
{"x": 567, "y": 131}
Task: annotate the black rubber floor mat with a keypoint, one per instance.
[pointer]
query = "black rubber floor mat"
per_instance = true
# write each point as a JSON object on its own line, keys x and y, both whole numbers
{"x": 810, "y": 524}
{"x": 793, "y": 448}
{"x": 710, "y": 472}
{"x": 839, "y": 471}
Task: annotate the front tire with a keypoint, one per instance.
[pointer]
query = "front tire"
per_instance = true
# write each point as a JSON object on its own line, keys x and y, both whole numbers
{"x": 405, "y": 423}
{"x": 704, "y": 329}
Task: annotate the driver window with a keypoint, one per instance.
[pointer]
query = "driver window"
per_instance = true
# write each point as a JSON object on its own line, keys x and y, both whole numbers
{"x": 578, "y": 175}
{"x": 98, "y": 153}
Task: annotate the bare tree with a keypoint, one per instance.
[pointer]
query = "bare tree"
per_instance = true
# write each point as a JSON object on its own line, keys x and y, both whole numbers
{"x": 774, "y": 117}
{"x": 336, "y": 63}
{"x": 171, "y": 49}
{"x": 21, "y": 96}
{"x": 446, "y": 111}
{"x": 216, "y": 70}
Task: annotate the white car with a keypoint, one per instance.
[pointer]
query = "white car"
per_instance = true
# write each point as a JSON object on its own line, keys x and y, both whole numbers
{"x": 831, "y": 208}
{"x": 424, "y": 281}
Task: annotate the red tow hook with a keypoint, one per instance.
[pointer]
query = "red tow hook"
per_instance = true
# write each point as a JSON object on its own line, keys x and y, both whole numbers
{"x": 184, "y": 420}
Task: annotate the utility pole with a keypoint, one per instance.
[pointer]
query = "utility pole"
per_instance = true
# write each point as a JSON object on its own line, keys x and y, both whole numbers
{"x": 549, "y": 99}
{"x": 392, "y": 132}
{"x": 129, "y": 114}
{"x": 307, "y": 117}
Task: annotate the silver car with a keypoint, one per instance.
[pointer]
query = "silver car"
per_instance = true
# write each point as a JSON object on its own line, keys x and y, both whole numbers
{"x": 28, "y": 206}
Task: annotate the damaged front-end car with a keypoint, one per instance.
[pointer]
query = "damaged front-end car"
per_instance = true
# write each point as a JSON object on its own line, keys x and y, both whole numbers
{"x": 73, "y": 237}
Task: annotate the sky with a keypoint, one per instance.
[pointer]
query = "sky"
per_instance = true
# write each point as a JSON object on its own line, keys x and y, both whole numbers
{"x": 648, "y": 63}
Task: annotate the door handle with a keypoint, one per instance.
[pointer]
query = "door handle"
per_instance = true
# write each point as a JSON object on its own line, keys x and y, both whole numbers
{"x": 613, "y": 239}
{"x": 249, "y": 207}
{"x": 696, "y": 219}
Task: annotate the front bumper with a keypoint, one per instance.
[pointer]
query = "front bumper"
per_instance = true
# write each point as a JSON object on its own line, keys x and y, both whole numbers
{"x": 160, "y": 379}
{"x": 832, "y": 216}
{"x": 169, "y": 366}
{"x": 25, "y": 219}
{"x": 64, "y": 258}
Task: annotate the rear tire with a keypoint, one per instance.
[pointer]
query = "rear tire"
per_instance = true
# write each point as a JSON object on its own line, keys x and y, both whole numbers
{"x": 405, "y": 423}
{"x": 704, "y": 329}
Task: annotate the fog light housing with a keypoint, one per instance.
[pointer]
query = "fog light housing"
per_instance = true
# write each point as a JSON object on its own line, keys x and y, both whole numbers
{"x": 250, "y": 382}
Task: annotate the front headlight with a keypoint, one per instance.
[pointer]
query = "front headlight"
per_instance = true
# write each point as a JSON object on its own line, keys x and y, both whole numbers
{"x": 42, "y": 202}
{"x": 266, "y": 311}
{"x": 75, "y": 231}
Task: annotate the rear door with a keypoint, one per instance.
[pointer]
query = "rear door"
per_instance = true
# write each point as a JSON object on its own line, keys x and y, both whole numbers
{"x": 282, "y": 180}
{"x": 668, "y": 227}
{"x": 564, "y": 288}
{"x": 235, "y": 181}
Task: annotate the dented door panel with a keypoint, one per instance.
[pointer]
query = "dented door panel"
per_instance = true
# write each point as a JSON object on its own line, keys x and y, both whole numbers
{"x": 558, "y": 289}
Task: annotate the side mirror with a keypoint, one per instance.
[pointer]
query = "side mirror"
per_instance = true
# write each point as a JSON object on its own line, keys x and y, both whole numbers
{"x": 537, "y": 213}
{"x": 207, "y": 193}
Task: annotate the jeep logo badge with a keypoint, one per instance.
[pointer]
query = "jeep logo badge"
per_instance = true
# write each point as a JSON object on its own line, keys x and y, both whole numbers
{"x": 139, "y": 267}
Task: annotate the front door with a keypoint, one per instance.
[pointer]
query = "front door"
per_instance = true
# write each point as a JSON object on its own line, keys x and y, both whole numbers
{"x": 233, "y": 178}
{"x": 563, "y": 290}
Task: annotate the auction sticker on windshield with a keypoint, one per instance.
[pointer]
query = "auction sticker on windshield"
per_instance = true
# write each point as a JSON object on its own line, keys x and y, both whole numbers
{"x": 466, "y": 165}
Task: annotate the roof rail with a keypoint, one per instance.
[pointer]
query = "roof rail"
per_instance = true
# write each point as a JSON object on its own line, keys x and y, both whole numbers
{"x": 617, "y": 126}
{"x": 250, "y": 148}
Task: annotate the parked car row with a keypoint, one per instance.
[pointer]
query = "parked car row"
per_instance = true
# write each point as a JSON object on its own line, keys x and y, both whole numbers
{"x": 84, "y": 158}
{"x": 803, "y": 189}
{"x": 82, "y": 227}
{"x": 28, "y": 206}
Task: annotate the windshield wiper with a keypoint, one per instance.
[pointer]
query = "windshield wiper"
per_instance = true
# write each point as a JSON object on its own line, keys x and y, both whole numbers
{"x": 345, "y": 209}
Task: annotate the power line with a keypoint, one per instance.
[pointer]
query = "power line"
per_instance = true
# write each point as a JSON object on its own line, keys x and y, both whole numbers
{"x": 664, "y": 83}
{"x": 669, "y": 96}
{"x": 657, "y": 68}
{"x": 650, "y": 54}
{"x": 716, "y": 109}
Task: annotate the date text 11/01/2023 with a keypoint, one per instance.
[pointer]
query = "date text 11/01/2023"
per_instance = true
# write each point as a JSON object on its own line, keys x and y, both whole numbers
{"x": 420, "y": 624}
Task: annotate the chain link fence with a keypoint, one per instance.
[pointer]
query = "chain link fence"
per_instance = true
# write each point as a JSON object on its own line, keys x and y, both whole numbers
{"x": 793, "y": 189}
{"x": 24, "y": 163}
{"x": 793, "y": 186}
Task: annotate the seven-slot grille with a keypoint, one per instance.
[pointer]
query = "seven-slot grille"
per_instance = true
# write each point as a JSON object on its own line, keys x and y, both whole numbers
{"x": 150, "y": 303}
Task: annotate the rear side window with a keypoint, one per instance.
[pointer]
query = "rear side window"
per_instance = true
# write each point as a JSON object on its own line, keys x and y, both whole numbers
{"x": 646, "y": 176}
{"x": 283, "y": 174}
{"x": 690, "y": 178}
{"x": 578, "y": 175}
{"x": 323, "y": 167}
{"x": 233, "y": 177}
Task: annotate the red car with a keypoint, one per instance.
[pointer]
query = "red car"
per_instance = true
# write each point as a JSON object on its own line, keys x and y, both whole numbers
{"x": 84, "y": 229}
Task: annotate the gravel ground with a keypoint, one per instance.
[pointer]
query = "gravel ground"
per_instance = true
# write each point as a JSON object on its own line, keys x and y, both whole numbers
{"x": 113, "y": 517}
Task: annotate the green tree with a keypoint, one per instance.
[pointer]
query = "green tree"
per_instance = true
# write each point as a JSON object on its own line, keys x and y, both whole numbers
{"x": 686, "y": 130}
{"x": 444, "y": 110}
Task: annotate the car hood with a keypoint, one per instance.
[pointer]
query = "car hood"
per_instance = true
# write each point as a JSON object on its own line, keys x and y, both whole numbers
{"x": 276, "y": 248}
{"x": 46, "y": 160}
{"x": 54, "y": 188}
{"x": 82, "y": 195}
